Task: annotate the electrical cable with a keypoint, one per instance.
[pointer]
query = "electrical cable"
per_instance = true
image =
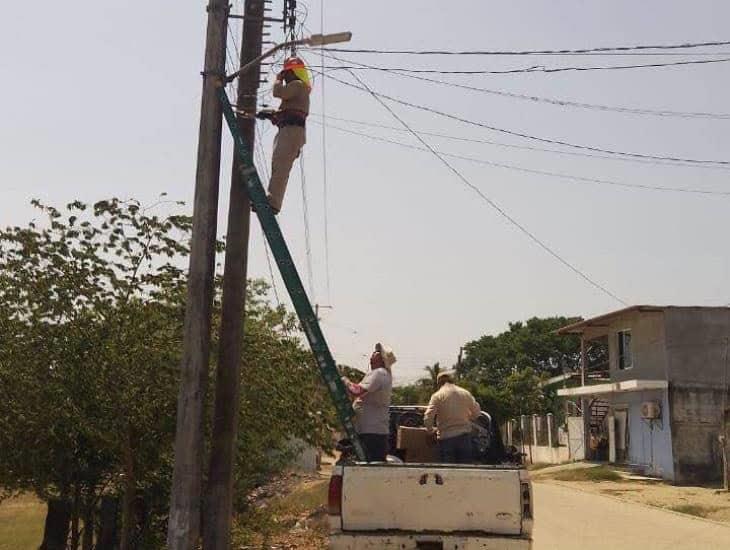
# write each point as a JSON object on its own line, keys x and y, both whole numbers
{"x": 688, "y": 45}
{"x": 324, "y": 159}
{"x": 531, "y": 170}
{"x": 489, "y": 201}
{"x": 540, "y": 68}
{"x": 307, "y": 233}
{"x": 522, "y": 147}
{"x": 524, "y": 135}
{"x": 538, "y": 99}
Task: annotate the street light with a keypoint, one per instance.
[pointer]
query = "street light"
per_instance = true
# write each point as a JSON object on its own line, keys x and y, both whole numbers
{"x": 314, "y": 40}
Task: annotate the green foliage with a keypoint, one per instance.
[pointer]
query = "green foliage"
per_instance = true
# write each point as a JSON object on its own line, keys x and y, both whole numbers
{"x": 532, "y": 344}
{"x": 87, "y": 347}
{"x": 413, "y": 394}
{"x": 91, "y": 320}
{"x": 420, "y": 392}
{"x": 505, "y": 372}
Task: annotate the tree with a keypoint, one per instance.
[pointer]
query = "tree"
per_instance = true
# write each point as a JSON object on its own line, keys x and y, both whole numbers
{"x": 506, "y": 370}
{"x": 90, "y": 314}
{"x": 433, "y": 373}
{"x": 533, "y": 344}
{"x": 91, "y": 318}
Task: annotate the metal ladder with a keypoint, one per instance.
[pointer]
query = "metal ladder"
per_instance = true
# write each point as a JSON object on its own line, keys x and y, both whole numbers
{"x": 290, "y": 275}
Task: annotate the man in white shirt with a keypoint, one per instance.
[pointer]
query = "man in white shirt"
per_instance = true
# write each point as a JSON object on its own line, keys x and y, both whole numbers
{"x": 372, "y": 403}
{"x": 452, "y": 409}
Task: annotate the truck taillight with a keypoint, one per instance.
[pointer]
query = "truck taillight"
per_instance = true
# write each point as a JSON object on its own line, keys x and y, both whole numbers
{"x": 526, "y": 499}
{"x": 334, "y": 496}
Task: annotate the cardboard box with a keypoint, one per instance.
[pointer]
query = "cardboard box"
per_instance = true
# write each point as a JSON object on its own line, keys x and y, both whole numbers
{"x": 417, "y": 444}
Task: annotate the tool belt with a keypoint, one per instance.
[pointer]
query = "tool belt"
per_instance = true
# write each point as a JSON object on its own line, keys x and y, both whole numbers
{"x": 290, "y": 117}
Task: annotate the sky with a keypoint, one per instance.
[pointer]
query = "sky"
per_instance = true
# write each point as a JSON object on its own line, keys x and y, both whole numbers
{"x": 103, "y": 100}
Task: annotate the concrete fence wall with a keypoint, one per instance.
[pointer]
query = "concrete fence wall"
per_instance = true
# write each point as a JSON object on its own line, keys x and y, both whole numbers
{"x": 539, "y": 438}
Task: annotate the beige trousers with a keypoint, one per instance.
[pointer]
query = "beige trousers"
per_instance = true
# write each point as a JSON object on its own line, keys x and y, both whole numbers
{"x": 288, "y": 144}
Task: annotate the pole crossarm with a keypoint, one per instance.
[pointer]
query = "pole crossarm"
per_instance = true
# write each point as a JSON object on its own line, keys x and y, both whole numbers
{"x": 290, "y": 275}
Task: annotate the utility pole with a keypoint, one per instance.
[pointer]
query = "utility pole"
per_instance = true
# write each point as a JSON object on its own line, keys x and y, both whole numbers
{"x": 585, "y": 402}
{"x": 184, "y": 524}
{"x": 219, "y": 493}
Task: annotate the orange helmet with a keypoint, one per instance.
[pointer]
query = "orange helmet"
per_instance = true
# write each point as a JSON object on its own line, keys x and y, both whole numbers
{"x": 297, "y": 66}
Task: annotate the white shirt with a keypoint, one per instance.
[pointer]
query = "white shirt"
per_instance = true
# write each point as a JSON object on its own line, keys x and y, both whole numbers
{"x": 453, "y": 408}
{"x": 371, "y": 410}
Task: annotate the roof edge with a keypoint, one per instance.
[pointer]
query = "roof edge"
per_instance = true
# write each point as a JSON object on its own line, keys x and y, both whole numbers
{"x": 580, "y": 326}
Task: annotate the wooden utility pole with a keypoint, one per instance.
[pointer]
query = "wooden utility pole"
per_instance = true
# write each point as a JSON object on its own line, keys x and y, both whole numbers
{"x": 585, "y": 403}
{"x": 219, "y": 493}
{"x": 183, "y": 531}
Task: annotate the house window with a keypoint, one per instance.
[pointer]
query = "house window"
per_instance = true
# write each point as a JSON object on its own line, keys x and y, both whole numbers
{"x": 625, "y": 359}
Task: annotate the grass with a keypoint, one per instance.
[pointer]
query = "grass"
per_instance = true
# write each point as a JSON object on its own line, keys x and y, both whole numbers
{"x": 261, "y": 526}
{"x": 21, "y": 523}
{"x": 539, "y": 466}
{"x": 599, "y": 473}
{"x": 304, "y": 498}
{"x": 695, "y": 509}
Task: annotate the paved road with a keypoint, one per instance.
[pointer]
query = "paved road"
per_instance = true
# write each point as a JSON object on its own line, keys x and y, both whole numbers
{"x": 567, "y": 519}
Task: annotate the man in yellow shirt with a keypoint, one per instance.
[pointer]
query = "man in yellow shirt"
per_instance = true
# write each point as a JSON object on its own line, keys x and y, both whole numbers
{"x": 452, "y": 409}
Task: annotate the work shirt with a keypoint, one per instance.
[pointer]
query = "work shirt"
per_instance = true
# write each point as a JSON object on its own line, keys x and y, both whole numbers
{"x": 453, "y": 408}
{"x": 371, "y": 409}
{"x": 294, "y": 96}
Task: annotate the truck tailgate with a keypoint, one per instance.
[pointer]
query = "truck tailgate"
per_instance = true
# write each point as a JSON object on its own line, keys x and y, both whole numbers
{"x": 427, "y": 497}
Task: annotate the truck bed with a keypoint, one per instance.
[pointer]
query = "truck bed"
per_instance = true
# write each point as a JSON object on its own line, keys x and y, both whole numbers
{"x": 444, "y": 498}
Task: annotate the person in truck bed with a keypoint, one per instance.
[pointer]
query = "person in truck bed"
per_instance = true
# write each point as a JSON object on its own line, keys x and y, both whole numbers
{"x": 372, "y": 401}
{"x": 452, "y": 409}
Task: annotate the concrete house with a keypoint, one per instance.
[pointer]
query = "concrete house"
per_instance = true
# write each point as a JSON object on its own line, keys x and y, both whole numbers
{"x": 666, "y": 404}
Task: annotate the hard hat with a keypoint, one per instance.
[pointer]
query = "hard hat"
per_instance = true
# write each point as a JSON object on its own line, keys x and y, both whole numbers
{"x": 293, "y": 63}
{"x": 297, "y": 66}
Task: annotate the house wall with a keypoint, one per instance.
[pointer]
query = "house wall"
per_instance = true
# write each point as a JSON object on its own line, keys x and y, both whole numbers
{"x": 697, "y": 348}
{"x": 650, "y": 442}
{"x": 647, "y": 346}
{"x": 697, "y": 341}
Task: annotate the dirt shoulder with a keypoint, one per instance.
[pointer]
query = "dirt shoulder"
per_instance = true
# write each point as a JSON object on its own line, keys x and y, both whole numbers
{"x": 705, "y": 502}
{"x": 288, "y": 513}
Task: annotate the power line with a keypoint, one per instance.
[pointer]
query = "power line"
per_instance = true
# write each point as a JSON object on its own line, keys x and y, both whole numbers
{"x": 523, "y": 147}
{"x": 324, "y": 160}
{"x": 539, "y": 68}
{"x": 640, "y": 47}
{"x": 522, "y": 134}
{"x": 307, "y": 233}
{"x": 538, "y": 99}
{"x": 488, "y": 200}
{"x": 583, "y": 179}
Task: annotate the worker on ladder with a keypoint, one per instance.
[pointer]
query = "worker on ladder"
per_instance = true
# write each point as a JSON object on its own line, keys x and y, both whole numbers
{"x": 293, "y": 86}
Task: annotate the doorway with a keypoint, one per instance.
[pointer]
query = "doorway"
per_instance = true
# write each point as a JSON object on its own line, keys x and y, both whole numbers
{"x": 621, "y": 431}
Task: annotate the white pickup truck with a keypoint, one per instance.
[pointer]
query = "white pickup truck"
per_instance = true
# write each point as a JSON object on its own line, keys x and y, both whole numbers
{"x": 401, "y": 505}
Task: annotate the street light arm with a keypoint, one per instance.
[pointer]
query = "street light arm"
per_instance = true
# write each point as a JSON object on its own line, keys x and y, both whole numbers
{"x": 314, "y": 40}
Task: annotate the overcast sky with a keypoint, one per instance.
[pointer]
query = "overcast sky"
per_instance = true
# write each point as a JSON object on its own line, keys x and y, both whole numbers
{"x": 102, "y": 99}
